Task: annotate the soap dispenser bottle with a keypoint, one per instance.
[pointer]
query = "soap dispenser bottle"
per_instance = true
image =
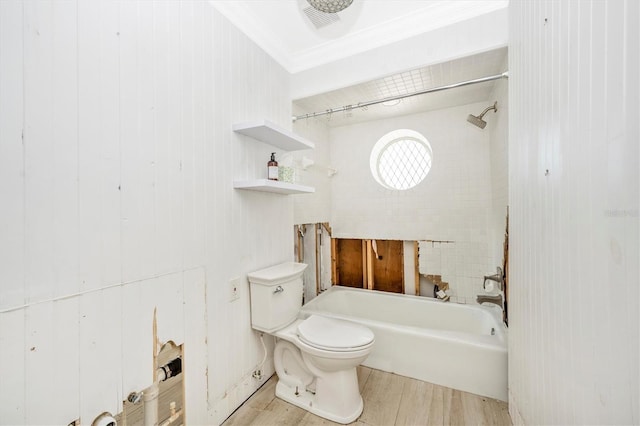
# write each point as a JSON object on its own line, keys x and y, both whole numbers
{"x": 272, "y": 167}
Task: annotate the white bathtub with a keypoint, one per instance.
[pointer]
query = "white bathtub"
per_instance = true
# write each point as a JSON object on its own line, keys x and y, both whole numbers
{"x": 459, "y": 346}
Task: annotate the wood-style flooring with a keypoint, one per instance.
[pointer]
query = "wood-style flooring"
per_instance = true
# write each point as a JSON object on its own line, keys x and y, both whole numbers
{"x": 389, "y": 399}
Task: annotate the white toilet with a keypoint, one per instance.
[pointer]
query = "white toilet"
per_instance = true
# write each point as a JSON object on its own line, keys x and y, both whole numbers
{"x": 315, "y": 358}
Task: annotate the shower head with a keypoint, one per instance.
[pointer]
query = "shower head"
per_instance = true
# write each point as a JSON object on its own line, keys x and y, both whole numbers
{"x": 478, "y": 121}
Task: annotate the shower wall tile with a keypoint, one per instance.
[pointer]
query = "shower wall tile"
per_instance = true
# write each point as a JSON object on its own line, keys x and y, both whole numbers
{"x": 454, "y": 202}
{"x": 574, "y": 227}
{"x": 316, "y": 207}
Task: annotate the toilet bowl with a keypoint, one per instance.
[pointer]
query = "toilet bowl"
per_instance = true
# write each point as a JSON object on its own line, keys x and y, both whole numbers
{"x": 318, "y": 375}
{"x": 315, "y": 358}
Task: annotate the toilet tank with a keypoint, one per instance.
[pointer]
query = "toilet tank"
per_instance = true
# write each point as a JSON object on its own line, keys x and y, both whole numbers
{"x": 276, "y": 295}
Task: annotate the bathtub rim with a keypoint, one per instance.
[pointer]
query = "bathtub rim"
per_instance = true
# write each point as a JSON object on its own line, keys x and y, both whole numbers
{"x": 498, "y": 342}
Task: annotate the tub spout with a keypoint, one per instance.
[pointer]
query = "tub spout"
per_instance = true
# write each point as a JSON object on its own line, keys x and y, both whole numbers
{"x": 495, "y": 299}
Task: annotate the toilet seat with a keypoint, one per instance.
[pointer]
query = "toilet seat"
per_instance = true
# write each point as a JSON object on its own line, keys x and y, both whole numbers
{"x": 334, "y": 335}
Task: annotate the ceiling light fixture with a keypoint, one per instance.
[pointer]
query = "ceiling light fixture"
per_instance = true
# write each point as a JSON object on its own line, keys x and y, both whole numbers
{"x": 330, "y": 6}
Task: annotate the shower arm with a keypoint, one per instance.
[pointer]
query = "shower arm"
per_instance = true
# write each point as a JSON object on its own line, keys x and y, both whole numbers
{"x": 394, "y": 98}
{"x": 487, "y": 109}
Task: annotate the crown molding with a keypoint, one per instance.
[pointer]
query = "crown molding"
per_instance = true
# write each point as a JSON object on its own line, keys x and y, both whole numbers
{"x": 433, "y": 16}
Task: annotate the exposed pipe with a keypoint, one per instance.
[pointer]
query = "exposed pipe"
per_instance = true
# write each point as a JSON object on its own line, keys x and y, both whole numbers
{"x": 408, "y": 95}
{"x": 171, "y": 369}
{"x": 150, "y": 397}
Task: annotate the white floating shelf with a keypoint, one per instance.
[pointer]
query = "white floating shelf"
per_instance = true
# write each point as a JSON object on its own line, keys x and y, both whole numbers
{"x": 268, "y": 132}
{"x": 266, "y": 185}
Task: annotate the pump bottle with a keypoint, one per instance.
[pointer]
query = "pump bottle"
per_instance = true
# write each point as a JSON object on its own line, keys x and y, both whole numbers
{"x": 272, "y": 167}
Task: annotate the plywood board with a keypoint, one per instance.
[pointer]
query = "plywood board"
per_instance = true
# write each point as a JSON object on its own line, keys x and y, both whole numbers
{"x": 349, "y": 264}
{"x": 388, "y": 266}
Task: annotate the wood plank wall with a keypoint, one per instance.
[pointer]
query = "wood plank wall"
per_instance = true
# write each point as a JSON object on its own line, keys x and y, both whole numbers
{"x": 573, "y": 216}
{"x": 116, "y": 166}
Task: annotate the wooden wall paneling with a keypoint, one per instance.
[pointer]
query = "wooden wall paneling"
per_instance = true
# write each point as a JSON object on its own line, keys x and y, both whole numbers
{"x": 96, "y": 55}
{"x": 195, "y": 255}
{"x": 195, "y": 366}
{"x": 334, "y": 262}
{"x": 100, "y": 352}
{"x": 349, "y": 262}
{"x": 13, "y": 340}
{"x": 132, "y": 154}
{"x": 12, "y": 180}
{"x": 137, "y": 309}
{"x": 65, "y": 356}
{"x": 190, "y": 78}
{"x": 363, "y": 248}
{"x": 170, "y": 225}
{"x": 317, "y": 235}
{"x": 194, "y": 120}
{"x": 370, "y": 269}
{"x": 39, "y": 150}
{"x": 387, "y": 271}
{"x": 416, "y": 264}
{"x": 137, "y": 139}
{"x": 574, "y": 145}
{"x": 39, "y": 353}
{"x": 109, "y": 148}
{"x": 64, "y": 139}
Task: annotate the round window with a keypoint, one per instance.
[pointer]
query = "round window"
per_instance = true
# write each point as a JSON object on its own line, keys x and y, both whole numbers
{"x": 401, "y": 159}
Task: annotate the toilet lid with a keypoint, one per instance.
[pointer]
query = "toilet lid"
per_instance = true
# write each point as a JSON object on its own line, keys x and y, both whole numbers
{"x": 334, "y": 334}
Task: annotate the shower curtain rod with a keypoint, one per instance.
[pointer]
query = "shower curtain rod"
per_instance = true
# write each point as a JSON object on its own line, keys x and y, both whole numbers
{"x": 397, "y": 97}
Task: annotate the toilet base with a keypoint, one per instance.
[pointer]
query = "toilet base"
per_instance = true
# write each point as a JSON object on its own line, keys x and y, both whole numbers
{"x": 307, "y": 401}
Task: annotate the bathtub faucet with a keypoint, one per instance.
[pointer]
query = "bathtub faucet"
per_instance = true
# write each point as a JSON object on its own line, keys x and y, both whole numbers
{"x": 497, "y": 277}
{"x": 495, "y": 299}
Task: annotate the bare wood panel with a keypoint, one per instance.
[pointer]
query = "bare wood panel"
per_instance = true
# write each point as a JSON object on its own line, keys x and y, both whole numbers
{"x": 388, "y": 268}
{"x": 317, "y": 253}
{"x": 416, "y": 266}
{"x": 369, "y": 256}
{"x": 365, "y": 264}
{"x": 348, "y": 255}
{"x": 334, "y": 262}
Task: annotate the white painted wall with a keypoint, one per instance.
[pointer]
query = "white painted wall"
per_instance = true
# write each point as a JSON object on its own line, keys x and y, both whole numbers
{"x": 453, "y": 203}
{"x": 574, "y": 325}
{"x": 116, "y": 167}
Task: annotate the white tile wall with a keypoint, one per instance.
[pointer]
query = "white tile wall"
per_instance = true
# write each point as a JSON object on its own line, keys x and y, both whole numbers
{"x": 573, "y": 190}
{"x": 454, "y": 202}
{"x": 315, "y": 207}
{"x": 116, "y": 166}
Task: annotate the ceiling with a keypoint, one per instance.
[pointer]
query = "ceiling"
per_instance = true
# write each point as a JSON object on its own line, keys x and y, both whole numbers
{"x": 284, "y": 30}
{"x": 288, "y": 32}
{"x": 459, "y": 70}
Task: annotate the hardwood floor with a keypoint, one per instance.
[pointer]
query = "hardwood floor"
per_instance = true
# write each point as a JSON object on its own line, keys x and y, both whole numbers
{"x": 388, "y": 400}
